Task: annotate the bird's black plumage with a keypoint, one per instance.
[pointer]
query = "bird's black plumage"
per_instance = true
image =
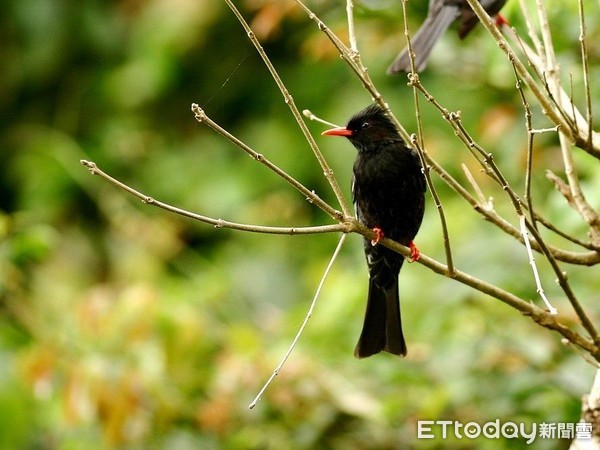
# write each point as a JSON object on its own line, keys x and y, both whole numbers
{"x": 388, "y": 188}
{"x": 441, "y": 14}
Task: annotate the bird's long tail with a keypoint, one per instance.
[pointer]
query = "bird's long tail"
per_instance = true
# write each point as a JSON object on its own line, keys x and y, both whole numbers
{"x": 382, "y": 329}
{"x": 424, "y": 39}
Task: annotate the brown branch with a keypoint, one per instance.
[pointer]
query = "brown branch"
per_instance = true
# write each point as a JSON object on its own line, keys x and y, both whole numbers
{"x": 344, "y": 227}
{"x": 352, "y": 58}
{"x": 586, "y": 73}
{"x": 486, "y": 210}
{"x": 538, "y": 315}
{"x": 289, "y": 100}
{"x": 311, "y": 196}
{"x": 486, "y": 161}
{"x": 561, "y": 187}
{"x": 352, "y": 225}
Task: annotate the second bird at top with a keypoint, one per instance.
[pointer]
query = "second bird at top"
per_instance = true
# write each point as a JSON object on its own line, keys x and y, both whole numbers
{"x": 441, "y": 14}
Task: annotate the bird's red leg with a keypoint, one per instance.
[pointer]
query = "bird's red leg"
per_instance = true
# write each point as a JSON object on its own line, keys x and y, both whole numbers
{"x": 379, "y": 235}
{"x": 414, "y": 252}
{"x": 501, "y": 20}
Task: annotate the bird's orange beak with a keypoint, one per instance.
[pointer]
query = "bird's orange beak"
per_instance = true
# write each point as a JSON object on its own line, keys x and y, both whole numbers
{"x": 337, "y": 132}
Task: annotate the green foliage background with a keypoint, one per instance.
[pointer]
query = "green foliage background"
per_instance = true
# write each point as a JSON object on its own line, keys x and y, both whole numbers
{"x": 122, "y": 326}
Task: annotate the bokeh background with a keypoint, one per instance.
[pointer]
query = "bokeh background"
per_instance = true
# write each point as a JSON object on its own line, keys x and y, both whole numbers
{"x": 124, "y": 326}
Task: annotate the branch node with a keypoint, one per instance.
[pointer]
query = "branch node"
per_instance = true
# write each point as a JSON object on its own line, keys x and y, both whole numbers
{"x": 90, "y": 165}
{"x": 413, "y": 79}
{"x": 199, "y": 113}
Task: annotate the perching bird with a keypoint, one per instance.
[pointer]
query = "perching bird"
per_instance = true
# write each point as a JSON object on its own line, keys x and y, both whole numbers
{"x": 388, "y": 189}
{"x": 441, "y": 14}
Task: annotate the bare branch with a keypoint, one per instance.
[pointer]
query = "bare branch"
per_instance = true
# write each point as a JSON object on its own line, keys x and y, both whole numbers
{"x": 563, "y": 112}
{"x": 586, "y": 72}
{"x": 530, "y": 29}
{"x": 304, "y": 322}
{"x": 295, "y": 112}
{"x": 486, "y": 203}
{"x": 217, "y": 223}
{"x": 437, "y": 202}
{"x": 486, "y": 160}
{"x": 549, "y": 225}
{"x": 561, "y": 187}
{"x": 351, "y": 32}
{"x": 309, "y": 115}
{"x": 528, "y": 170}
{"x": 409, "y": 48}
{"x": 311, "y": 196}
{"x": 355, "y": 63}
{"x": 579, "y": 202}
{"x": 538, "y": 315}
{"x": 540, "y": 290}
{"x": 547, "y": 103}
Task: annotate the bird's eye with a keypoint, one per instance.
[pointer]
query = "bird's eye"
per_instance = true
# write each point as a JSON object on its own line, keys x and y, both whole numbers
{"x": 365, "y": 125}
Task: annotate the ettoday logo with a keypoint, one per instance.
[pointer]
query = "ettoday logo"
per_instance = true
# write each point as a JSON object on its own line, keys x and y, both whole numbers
{"x": 430, "y": 429}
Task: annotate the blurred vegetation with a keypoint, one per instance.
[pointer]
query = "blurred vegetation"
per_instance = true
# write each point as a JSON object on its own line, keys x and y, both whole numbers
{"x": 122, "y": 326}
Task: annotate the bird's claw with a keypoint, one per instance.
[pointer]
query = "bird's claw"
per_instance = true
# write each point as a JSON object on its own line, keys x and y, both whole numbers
{"x": 378, "y": 236}
{"x": 501, "y": 20}
{"x": 415, "y": 254}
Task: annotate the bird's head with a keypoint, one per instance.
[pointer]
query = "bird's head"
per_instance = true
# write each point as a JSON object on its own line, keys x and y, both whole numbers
{"x": 367, "y": 129}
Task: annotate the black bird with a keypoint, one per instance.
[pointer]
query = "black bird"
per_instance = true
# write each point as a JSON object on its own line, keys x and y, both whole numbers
{"x": 388, "y": 189}
{"x": 441, "y": 14}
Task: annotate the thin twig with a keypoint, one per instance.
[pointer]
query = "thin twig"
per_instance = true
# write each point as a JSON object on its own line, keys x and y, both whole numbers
{"x": 217, "y": 223}
{"x": 418, "y": 144}
{"x": 539, "y": 289}
{"x": 546, "y": 37}
{"x": 310, "y": 116}
{"x": 580, "y": 203}
{"x": 586, "y": 72}
{"x": 549, "y": 225}
{"x": 530, "y": 29}
{"x": 486, "y": 203}
{"x": 529, "y": 162}
{"x": 486, "y": 160}
{"x": 311, "y": 196}
{"x": 572, "y": 102}
{"x": 548, "y": 106}
{"x": 351, "y": 33}
{"x": 582, "y": 353}
{"x": 453, "y": 118}
{"x": 438, "y": 204}
{"x": 327, "y": 171}
{"x": 569, "y": 120}
{"x": 553, "y": 129}
{"x": 563, "y": 282}
{"x": 409, "y": 48}
{"x": 561, "y": 277}
{"x": 587, "y": 259}
{"x": 355, "y": 63}
{"x": 304, "y": 322}
{"x": 537, "y": 315}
